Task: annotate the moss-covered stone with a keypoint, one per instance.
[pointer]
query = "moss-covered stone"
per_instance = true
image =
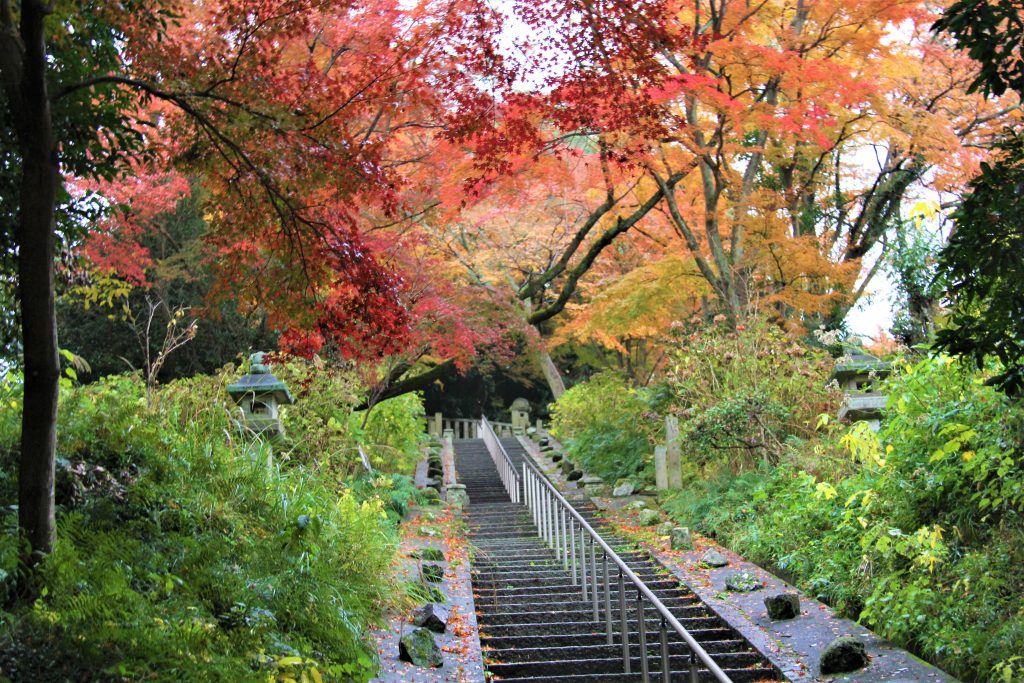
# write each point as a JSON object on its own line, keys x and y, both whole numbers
{"x": 432, "y": 572}
{"x": 419, "y": 648}
{"x": 713, "y": 558}
{"x": 430, "y": 554}
{"x": 844, "y": 654}
{"x": 649, "y": 517}
{"x": 681, "y": 538}
{"x": 742, "y": 582}
{"x": 782, "y": 606}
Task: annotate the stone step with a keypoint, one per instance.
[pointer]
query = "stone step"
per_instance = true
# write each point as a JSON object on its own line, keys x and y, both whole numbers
{"x": 677, "y": 663}
{"x": 565, "y": 592}
{"x": 586, "y": 639}
{"x": 566, "y": 628}
{"x": 581, "y": 614}
{"x": 751, "y": 675}
{"x": 534, "y": 623}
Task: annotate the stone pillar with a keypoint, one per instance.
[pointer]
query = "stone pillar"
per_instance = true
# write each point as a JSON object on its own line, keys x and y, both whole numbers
{"x": 447, "y": 459}
{"x": 438, "y": 425}
{"x": 673, "y": 457}
{"x": 660, "y": 467}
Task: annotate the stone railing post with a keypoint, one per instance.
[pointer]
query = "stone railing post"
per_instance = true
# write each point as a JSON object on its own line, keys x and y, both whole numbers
{"x": 673, "y": 456}
{"x": 660, "y": 467}
{"x": 447, "y": 459}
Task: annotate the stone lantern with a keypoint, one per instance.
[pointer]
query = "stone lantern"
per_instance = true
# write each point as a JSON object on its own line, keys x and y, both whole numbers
{"x": 259, "y": 394}
{"x": 857, "y": 375}
{"x": 520, "y": 415}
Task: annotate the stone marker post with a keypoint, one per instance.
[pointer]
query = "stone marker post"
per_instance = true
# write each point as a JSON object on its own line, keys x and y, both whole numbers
{"x": 438, "y": 424}
{"x": 447, "y": 459}
{"x": 673, "y": 458}
{"x": 660, "y": 468}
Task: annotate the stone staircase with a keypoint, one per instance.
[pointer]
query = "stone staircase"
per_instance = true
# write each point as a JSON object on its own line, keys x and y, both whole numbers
{"x": 534, "y": 624}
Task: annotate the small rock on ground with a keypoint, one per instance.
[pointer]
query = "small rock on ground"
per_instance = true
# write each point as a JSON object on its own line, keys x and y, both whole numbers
{"x": 431, "y": 616}
{"x": 649, "y": 517}
{"x": 713, "y": 558}
{"x": 431, "y": 554}
{"x": 782, "y": 606}
{"x": 681, "y": 538}
{"x": 844, "y": 654}
{"x": 742, "y": 582}
{"x": 418, "y": 647}
{"x": 624, "y": 489}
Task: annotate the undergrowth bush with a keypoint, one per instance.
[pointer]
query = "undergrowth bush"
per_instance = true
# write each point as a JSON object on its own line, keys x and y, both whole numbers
{"x": 607, "y": 426}
{"x": 741, "y": 396}
{"x": 922, "y": 539}
{"x": 183, "y": 555}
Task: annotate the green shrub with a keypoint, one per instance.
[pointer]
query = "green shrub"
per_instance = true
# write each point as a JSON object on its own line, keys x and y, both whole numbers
{"x": 393, "y": 432}
{"x": 742, "y": 395}
{"x": 607, "y": 426}
{"x": 191, "y": 558}
{"x": 922, "y": 540}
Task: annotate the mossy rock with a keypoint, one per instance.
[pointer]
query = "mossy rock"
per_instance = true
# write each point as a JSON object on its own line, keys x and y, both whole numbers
{"x": 713, "y": 558}
{"x": 649, "y": 517}
{"x": 782, "y": 606}
{"x": 742, "y": 582}
{"x": 844, "y": 654}
{"x": 429, "y": 554}
{"x": 419, "y": 648}
{"x": 432, "y": 572}
{"x": 681, "y": 538}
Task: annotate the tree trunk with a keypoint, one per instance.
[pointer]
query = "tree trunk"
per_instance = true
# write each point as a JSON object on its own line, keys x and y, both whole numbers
{"x": 36, "y": 235}
{"x": 551, "y": 373}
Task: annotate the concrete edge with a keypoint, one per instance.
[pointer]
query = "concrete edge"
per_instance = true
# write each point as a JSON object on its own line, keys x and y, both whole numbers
{"x": 460, "y": 644}
{"x": 792, "y": 646}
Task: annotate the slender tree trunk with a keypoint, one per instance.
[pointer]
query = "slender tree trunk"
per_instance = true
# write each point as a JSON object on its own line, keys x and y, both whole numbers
{"x": 551, "y": 373}
{"x": 36, "y": 233}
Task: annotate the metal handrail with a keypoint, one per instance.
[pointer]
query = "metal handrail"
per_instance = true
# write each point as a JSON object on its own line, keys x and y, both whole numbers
{"x": 560, "y": 534}
{"x": 506, "y": 470}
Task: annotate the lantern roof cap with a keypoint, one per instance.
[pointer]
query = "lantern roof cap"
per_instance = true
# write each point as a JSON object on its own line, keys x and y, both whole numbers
{"x": 859, "y": 363}
{"x": 521, "y": 404}
{"x": 260, "y": 382}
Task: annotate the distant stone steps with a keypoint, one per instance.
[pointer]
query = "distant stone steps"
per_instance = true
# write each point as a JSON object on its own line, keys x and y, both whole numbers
{"x": 534, "y": 623}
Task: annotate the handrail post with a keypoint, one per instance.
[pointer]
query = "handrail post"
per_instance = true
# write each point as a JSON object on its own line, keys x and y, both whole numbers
{"x": 642, "y": 622}
{"x": 593, "y": 575}
{"x": 572, "y": 544}
{"x": 694, "y": 675}
{"x": 624, "y": 624}
{"x": 566, "y": 523}
{"x": 558, "y": 529}
{"x": 607, "y": 602}
{"x": 583, "y": 561}
{"x": 666, "y": 670}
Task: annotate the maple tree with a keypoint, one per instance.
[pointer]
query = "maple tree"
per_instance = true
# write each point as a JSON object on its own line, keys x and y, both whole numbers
{"x": 549, "y": 180}
{"x": 809, "y": 124}
{"x": 287, "y": 109}
{"x": 772, "y": 145}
